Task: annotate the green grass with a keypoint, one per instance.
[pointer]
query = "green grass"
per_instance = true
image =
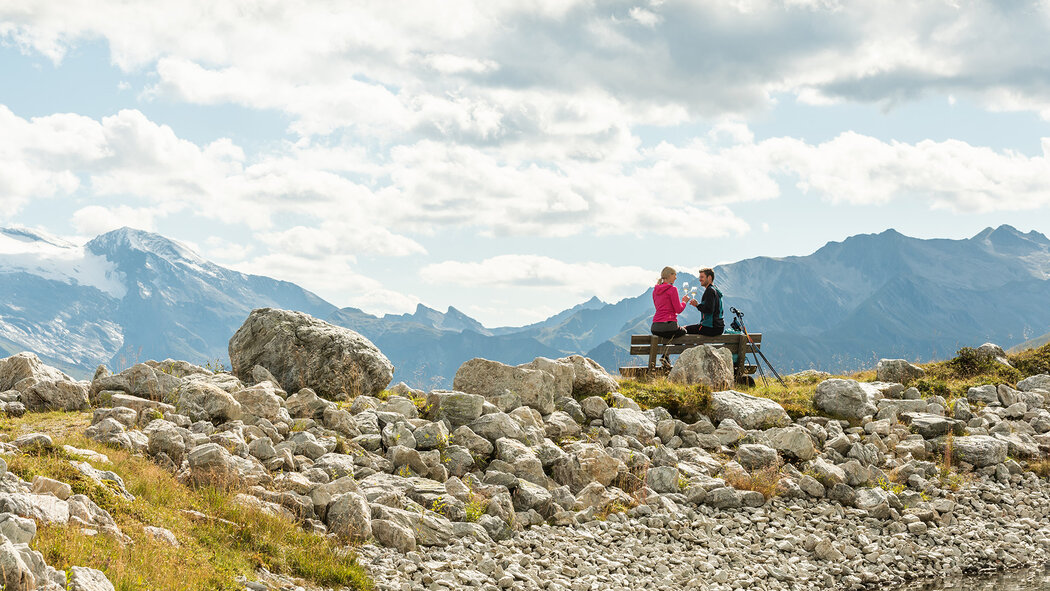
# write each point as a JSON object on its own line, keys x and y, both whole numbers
{"x": 233, "y": 541}
{"x": 950, "y": 379}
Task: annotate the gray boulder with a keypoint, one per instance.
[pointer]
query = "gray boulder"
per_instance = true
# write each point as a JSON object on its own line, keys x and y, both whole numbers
{"x": 211, "y": 463}
{"x": 492, "y": 380}
{"x": 430, "y": 529}
{"x": 393, "y": 535}
{"x": 1037, "y": 382}
{"x": 987, "y": 394}
{"x": 205, "y": 402}
{"x": 45, "y": 395}
{"x": 843, "y": 398}
{"x": 18, "y": 367}
{"x": 794, "y": 442}
{"x": 20, "y": 530}
{"x": 979, "y": 450}
{"x": 754, "y": 456}
{"x": 495, "y": 425}
{"x": 302, "y": 351}
{"x": 350, "y": 517}
{"x": 15, "y": 574}
{"x": 306, "y": 404}
{"x": 750, "y": 412}
{"x": 708, "y": 365}
{"x": 458, "y": 408}
{"x": 898, "y": 371}
{"x": 260, "y": 400}
{"x": 629, "y": 422}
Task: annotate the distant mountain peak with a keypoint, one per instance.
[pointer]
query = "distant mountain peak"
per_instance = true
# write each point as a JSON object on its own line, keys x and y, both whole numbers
{"x": 27, "y": 234}
{"x": 132, "y": 239}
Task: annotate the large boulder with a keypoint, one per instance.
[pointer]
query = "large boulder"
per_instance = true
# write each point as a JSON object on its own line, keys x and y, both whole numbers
{"x": 590, "y": 378}
{"x": 302, "y": 351}
{"x": 708, "y": 365}
{"x": 350, "y": 517}
{"x": 898, "y": 371}
{"x": 750, "y": 412}
{"x": 45, "y": 395}
{"x": 260, "y": 400}
{"x": 212, "y": 464}
{"x": 88, "y": 579}
{"x": 843, "y": 398}
{"x": 1038, "y": 382}
{"x": 18, "y": 367}
{"x": 563, "y": 372}
{"x": 979, "y": 450}
{"x": 142, "y": 380}
{"x": 15, "y": 574}
{"x": 492, "y": 380}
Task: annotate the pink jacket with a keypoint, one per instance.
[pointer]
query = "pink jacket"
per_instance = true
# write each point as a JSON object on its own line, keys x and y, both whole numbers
{"x": 668, "y": 304}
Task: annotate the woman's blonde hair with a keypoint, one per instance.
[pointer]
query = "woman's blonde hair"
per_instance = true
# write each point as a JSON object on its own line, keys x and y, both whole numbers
{"x": 666, "y": 274}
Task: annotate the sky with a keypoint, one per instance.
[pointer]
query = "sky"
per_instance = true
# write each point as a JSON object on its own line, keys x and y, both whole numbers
{"x": 513, "y": 159}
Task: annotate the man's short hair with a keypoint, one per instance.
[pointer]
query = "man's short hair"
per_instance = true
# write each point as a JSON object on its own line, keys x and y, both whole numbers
{"x": 708, "y": 271}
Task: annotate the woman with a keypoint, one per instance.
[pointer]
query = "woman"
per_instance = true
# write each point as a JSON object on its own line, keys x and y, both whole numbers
{"x": 668, "y": 307}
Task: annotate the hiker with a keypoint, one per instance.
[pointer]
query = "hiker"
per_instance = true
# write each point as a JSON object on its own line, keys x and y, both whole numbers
{"x": 710, "y": 306}
{"x": 668, "y": 307}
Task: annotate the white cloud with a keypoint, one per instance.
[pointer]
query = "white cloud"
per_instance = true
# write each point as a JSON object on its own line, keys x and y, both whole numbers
{"x": 608, "y": 282}
{"x": 96, "y": 219}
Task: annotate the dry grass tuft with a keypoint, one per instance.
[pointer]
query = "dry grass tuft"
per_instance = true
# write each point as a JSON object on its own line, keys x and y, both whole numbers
{"x": 763, "y": 480}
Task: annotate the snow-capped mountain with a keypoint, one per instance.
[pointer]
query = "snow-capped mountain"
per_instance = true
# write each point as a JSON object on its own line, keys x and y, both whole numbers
{"x": 126, "y": 296}
{"x": 130, "y": 295}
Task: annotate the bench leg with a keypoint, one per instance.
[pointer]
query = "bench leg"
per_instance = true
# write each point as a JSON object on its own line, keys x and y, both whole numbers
{"x": 653, "y": 342}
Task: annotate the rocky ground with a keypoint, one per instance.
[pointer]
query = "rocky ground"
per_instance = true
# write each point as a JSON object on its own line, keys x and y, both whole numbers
{"x": 543, "y": 476}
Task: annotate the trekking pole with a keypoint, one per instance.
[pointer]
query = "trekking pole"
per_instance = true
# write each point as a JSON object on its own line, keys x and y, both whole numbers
{"x": 754, "y": 349}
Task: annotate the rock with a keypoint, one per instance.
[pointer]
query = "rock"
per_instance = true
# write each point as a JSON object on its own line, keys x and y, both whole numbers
{"x": 458, "y": 408}
{"x": 794, "y": 442}
{"x": 1037, "y": 382}
{"x": 523, "y": 461}
{"x": 260, "y": 400}
{"x": 930, "y": 425}
{"x": 120, "y": 400}
{"x": 594, "y": 407}
{"x": 754, "y": 456}
{"x": 431, "y": 436}
{"x": 491, "y": 379}
{"x": 708, "y": 365}
{"x": 663, "y": 479}
{"x": 88, "y": 579}
{"x": 306, "y": 404}
{"x": 560, "y": 426}
{"x": 45, "y": 509}
{"x": 843, "y": 398}
{"x": 723, "y": 498}
{"x": 20, "y": 530}
{"x": 826, "y": 473}
{"x": 825, "y": 551}
{"x": 33, "y": 441}
{"x": 987, "y": 394}
{"x": 212, "y": 464}
{"x": 749, "y": 412}
{"x": 430, "y": 529}
{"x": 205, "y": 402}
{"x": 400, "y": 405}
{"x": 589, "y": 378}
{"x": 18, "y": 367}
{"x": 898, "y": 370}
{"x": 811, "y": 486}
{"x": 393, "y": 535}
{"x": 629, "y": 422}
{"x": 44, "y": 486}
{"x": 167, "y": 438}
{"x": 164, "y": 536}
{"x": 46, "y": 395}
{"x": 302, "y": 351}
{"x": 531, "y": 496}
{"x": 350, "y": 517}
{"x": 562, "y": 370}
{"x": 979, "y": 450}
{"x": 14, "y": 573}
{"x": 496, "y": 425}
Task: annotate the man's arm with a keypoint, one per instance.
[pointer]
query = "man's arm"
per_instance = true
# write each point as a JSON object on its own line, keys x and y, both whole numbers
{"x": 707, "y": 302}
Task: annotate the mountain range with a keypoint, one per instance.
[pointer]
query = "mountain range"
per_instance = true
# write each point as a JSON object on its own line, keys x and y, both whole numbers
{"x": 130, "y": 295}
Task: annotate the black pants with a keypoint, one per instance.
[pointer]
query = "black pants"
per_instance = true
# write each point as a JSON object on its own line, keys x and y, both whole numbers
{"x": 707, "y": 331}
{"x": 667, "y": 330}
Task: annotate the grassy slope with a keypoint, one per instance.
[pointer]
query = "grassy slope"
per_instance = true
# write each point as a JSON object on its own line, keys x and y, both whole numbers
{"x": 233, "y": 541}
{"x": 950, "y": 379}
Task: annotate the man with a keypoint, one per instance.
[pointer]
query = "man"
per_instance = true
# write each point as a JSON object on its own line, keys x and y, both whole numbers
{"x": 710, "y": 306}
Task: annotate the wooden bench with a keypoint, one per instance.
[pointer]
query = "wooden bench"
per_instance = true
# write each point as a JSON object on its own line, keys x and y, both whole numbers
{"x": 653, "y": 347}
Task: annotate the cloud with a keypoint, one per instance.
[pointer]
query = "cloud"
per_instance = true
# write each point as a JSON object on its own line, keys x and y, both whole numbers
{"x": 608, "y": 282}
{"x": 96, "y": 219}
{"x": 385, "y": 70}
